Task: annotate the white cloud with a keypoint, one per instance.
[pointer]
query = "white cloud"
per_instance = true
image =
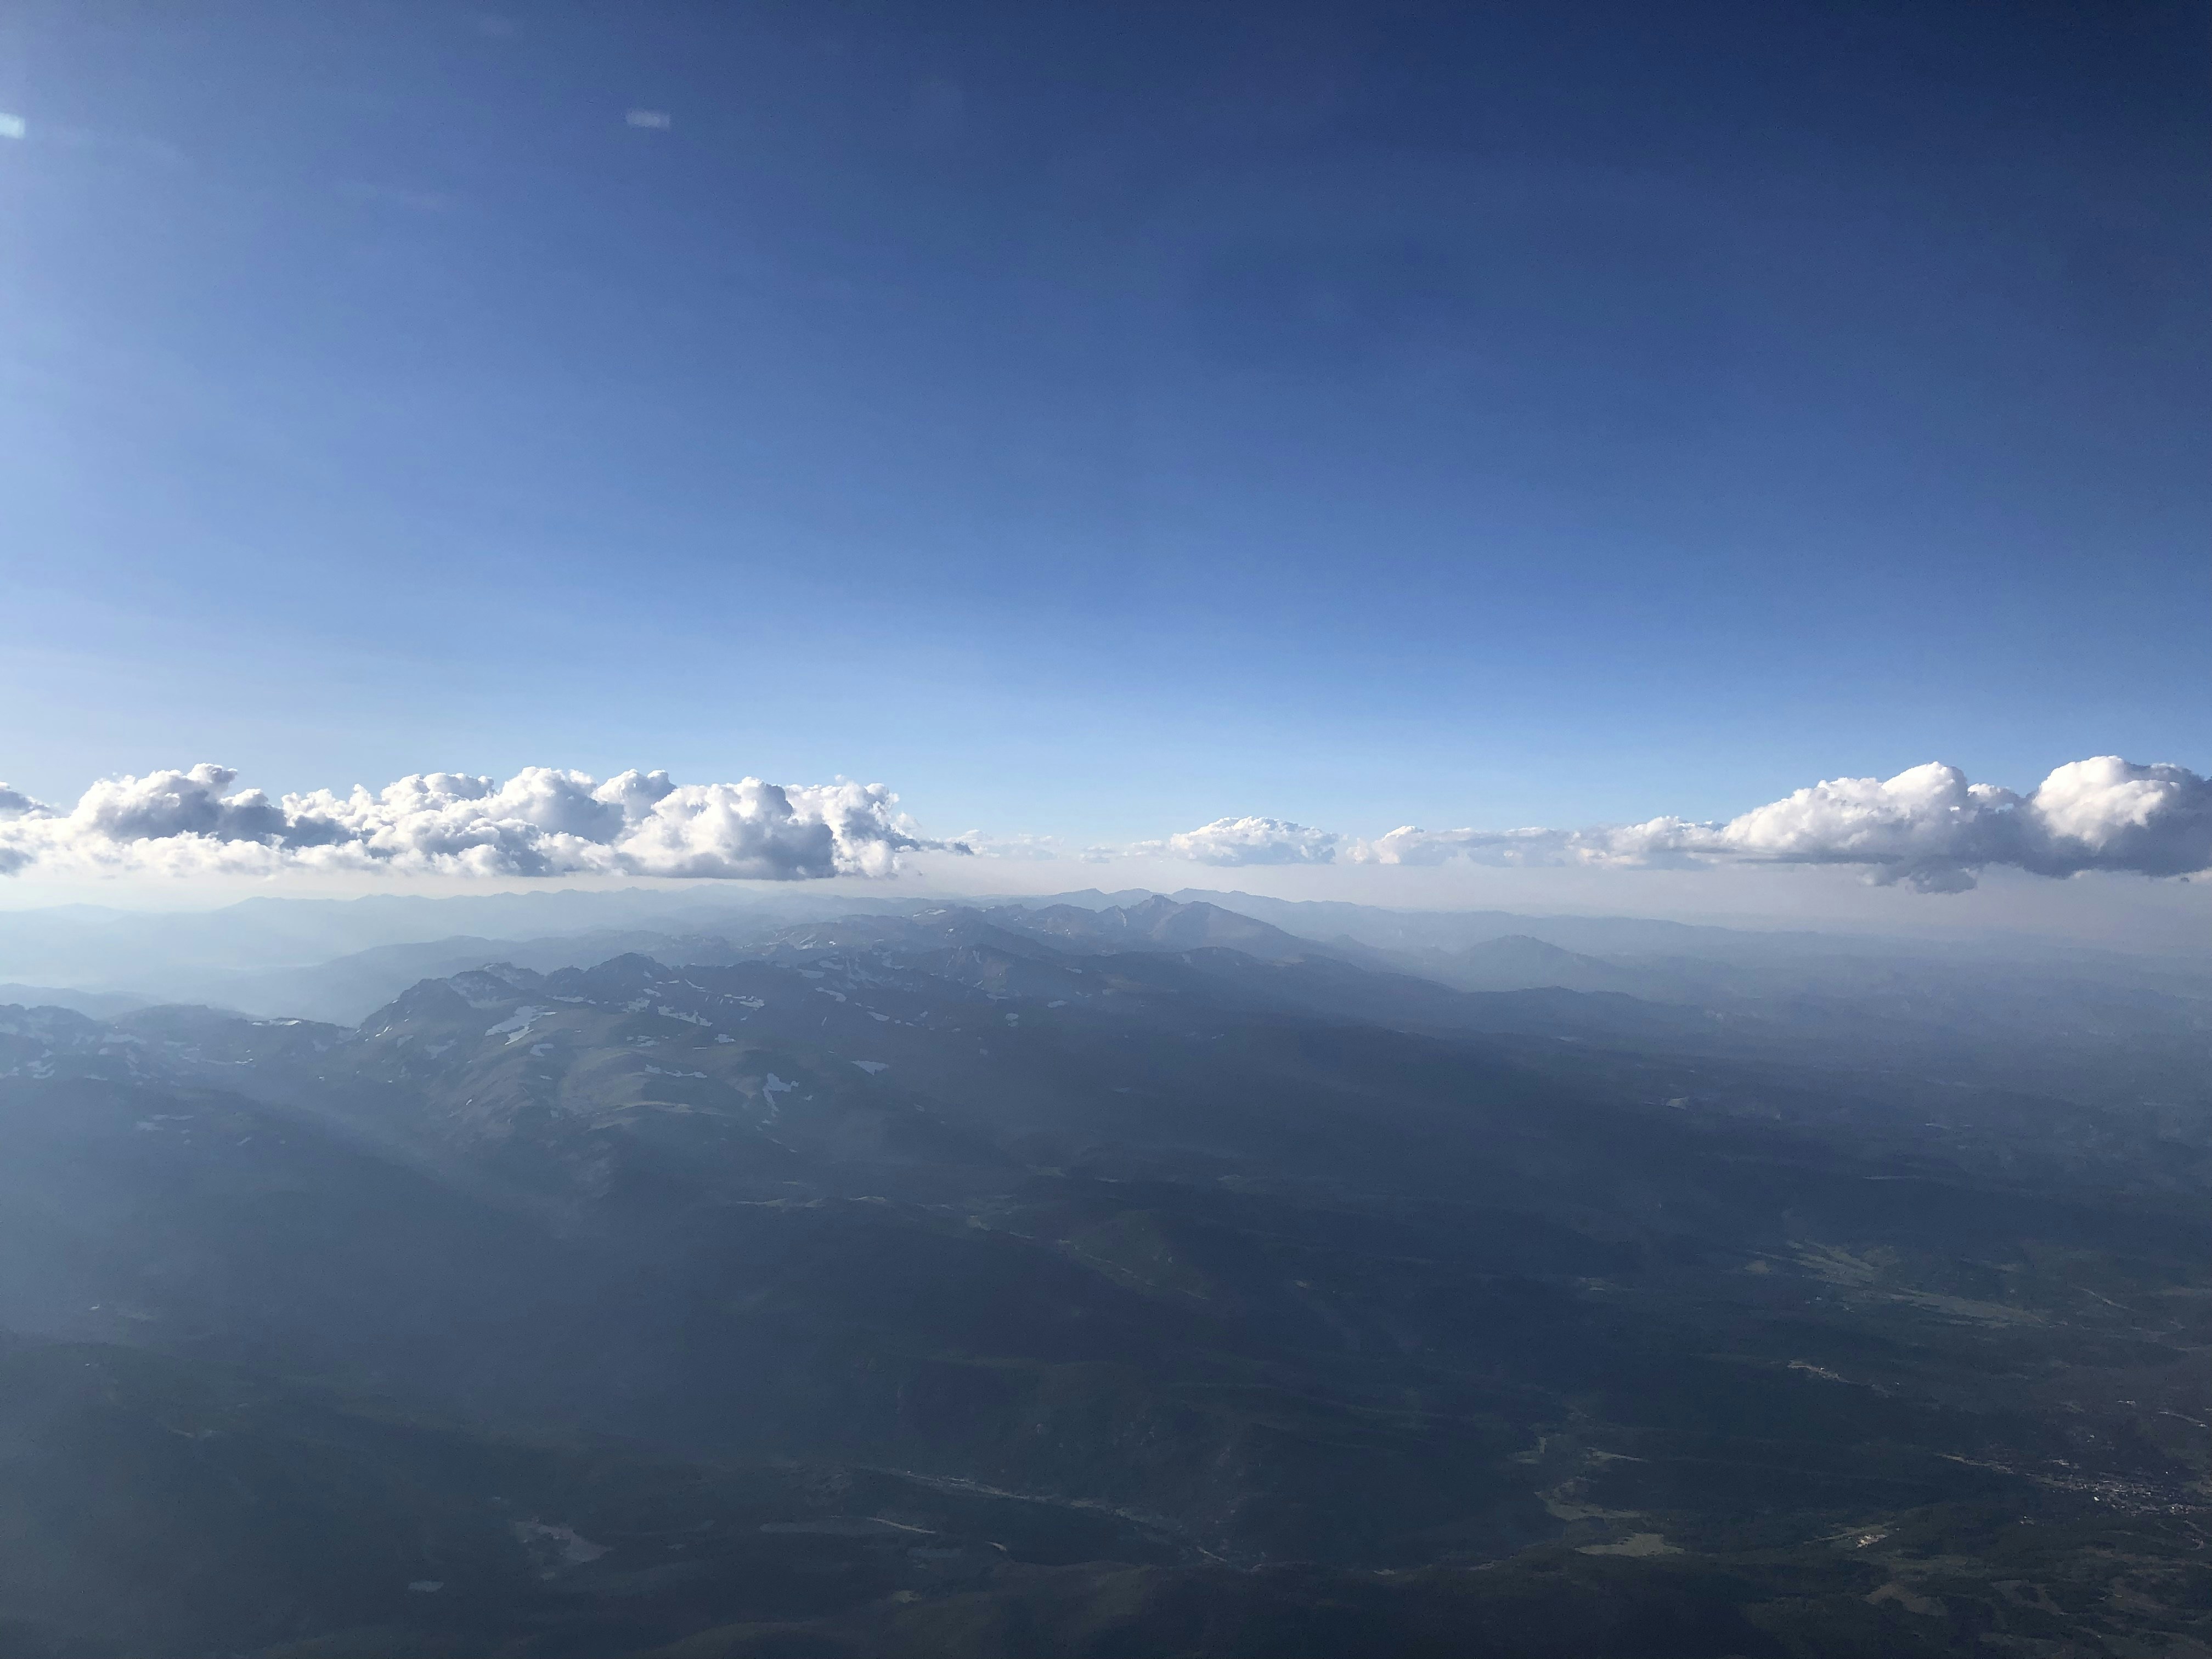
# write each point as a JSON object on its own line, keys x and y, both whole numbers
{"x": 1928, "y": 827}
{"x": 539, "y": 822}
{"x": 2109, "y": 814}
{"x": 1245, "y": 840}
{"x": 1026, "y": 848}
{"x": 1932, "y": 829}
{"x": 1413, "y": 845}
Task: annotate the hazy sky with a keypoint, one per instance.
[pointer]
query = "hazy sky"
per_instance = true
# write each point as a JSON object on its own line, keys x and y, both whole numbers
{"x": 1093, "y": 421}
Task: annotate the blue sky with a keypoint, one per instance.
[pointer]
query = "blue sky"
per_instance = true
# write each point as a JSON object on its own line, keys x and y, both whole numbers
{"x": 1096, "y": 420}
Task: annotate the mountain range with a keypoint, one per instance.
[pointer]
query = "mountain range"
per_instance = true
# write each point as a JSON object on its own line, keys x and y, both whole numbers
{"x": 1136, "y": 1277}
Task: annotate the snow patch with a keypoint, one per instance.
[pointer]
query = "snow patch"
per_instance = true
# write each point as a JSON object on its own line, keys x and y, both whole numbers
{"x": 564, "y": 1545}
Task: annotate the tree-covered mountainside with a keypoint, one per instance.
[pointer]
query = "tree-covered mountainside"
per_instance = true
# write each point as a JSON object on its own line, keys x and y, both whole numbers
{"x": 1120, "y": 1281}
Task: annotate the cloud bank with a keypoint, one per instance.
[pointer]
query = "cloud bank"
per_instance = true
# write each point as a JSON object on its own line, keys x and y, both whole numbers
{"x": 538, "y": 823}
{"x": 1246, "y": 840}
{"x": 1929, "y": 827}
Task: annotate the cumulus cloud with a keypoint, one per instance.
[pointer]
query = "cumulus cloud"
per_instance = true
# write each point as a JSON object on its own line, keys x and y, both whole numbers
{"x": 1245, "y": 840}
{"x": 1929, "y": 827}
{"x": 539, "y": 822}
{"x": 1932, "y": 829}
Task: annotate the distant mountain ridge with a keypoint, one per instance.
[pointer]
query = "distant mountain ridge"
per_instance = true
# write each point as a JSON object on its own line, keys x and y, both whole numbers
{"x": 270, "y": 955}
{"x": 1821, "y": 1003}
{"x": 96, "y": 1005}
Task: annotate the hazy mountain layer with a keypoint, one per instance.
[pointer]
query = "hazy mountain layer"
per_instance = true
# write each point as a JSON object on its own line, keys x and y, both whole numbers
{"x": 1140, "y": 1279}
